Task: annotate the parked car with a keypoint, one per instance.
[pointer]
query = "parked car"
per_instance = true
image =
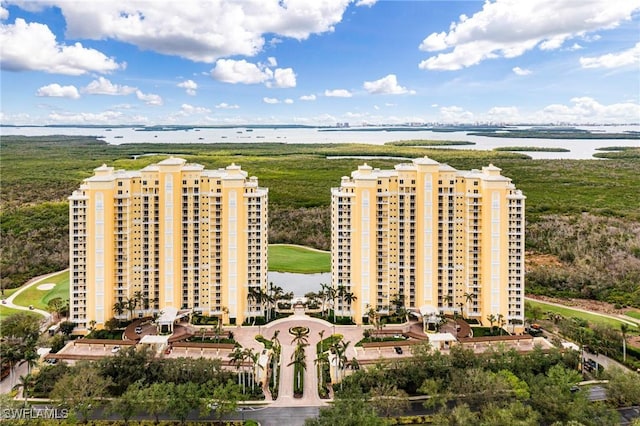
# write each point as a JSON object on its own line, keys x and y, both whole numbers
{"x": 398, "y": 350}
{"x": 31, "y": 307}
{"x": 115, "y": 349}
{"x": 138, "y": 330}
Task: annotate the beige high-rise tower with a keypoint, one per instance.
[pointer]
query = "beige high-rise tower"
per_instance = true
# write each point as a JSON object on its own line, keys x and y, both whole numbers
{"x": 171, "y": 235}
{"x": 426, "y": 235}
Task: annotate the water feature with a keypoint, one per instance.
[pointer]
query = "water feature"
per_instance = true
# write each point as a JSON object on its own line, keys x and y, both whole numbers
{"x": 299, "y": 284}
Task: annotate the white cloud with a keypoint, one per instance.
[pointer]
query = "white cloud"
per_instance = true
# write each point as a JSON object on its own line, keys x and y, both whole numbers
{"x": 57, "y": 91}
{"x": 240, "y": 71}
{"x": 504, "y": 114}
{"x": 283, "y": 78}
{"x": 338, "y": 93}
{"x": 149, "y": 98}
{"x": 4, "y": 13}
{"x": 614, "y": 60}
{"x": 190, "y": 86}
{"x": 271, "y": 61}
{"x": 508, "y": 28}
{"x": 455, "y": 114}
{"x": 224, "y": 105}
{"x": 190, "y": 109}
{"x": 86, "y": 117}
{"x": 366, "y": 2}
{"x": 270, "y": 100}
{"x": 232, "y": 71}
{"x": 386, "y": 86}
{"x": 521, "y": 71}
{"x": 103, "y": 86}
{"x": 575, "y": 46}
{"x": 288, "y": 101}
{"x": 588, "y": 110}
{"x": 200, "y": 30}
{"x": 33, "y": 47}
{"x": 308, "y": 97}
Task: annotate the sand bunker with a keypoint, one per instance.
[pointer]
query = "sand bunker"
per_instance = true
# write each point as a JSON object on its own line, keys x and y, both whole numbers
{"x": 46, "y": 286}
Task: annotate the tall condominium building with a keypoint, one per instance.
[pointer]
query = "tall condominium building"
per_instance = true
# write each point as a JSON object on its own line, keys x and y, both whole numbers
{"x": 172, "y": 235}
{"x": 426, "y": 235}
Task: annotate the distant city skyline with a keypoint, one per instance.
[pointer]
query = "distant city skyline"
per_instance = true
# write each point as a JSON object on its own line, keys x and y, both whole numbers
{"x": 325, "y": 62}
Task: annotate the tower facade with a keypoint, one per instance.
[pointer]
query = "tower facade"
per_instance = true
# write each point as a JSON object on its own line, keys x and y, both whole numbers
{"x": 427, "y": 236}
{"x": 171, "y": 235}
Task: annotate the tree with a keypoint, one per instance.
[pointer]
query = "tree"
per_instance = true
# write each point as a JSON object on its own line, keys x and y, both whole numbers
{"x": 623, "y": 388}
{"x": 448, "y": 299}
{"x": 349, "y": 298}
{"x": 156, "y": 399}
{"x": 66, "y": 327}
{"x": 624, "y": 329}
{"x": 501, "y": 322}
{"x": 30, "y": 357}
{"x": 468, "y": 298}
{"x": 129, "y": 403}
{"x": 56, "y": 306}
{"x": 351, "y": 410}
{"x": 492, "y": 319}
{"x": 224, "y": 399}
{"x": 299, "y": 362}
{"x": 119, "y": 308}
{"x": 82, "y": 390}
{"x": 388, "y": 400}
{"x": 25, "y": 383}
{"x": 182, "y": 399}
{"x": 23, "y": 327}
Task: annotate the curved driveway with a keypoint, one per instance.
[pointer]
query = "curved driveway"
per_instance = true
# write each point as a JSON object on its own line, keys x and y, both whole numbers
{"x": 246, "y": 337}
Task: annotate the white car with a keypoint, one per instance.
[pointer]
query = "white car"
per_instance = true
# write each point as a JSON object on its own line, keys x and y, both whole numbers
{"x": 115, "y": 349}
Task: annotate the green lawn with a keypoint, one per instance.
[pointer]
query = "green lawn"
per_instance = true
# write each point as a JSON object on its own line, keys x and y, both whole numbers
{"x": 288, "y": 258}
{"x": 40, "y": 298}
{"x": 5, "y": 312}
{"x": 633, "y": 314}
{"x": 572, "y": 313}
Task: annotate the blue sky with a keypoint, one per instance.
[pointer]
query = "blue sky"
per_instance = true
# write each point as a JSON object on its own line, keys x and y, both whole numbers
{"x": 319, "y": 62}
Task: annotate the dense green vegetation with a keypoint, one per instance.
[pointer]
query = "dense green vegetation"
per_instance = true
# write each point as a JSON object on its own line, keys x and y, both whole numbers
{"x": 531, "y": 149}
{"x": 554, "y": 133}
{"x": 418, "y": 142}
{"x": 502, "y": 387}
{"x": 288, "y": 258}
{"x": 40, "y": 173}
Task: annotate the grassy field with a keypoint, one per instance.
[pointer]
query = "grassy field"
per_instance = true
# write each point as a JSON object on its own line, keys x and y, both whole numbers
{"x": 288, "y": 258}
{"x": 572, "y": 313}
{"x": 633, "y": 314}
{"x": 6, "y": 312}
{"x": 40, "y": 298}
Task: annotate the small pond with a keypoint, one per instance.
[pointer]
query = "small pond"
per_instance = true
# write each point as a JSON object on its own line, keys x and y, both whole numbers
{"x": 299, "y": 284}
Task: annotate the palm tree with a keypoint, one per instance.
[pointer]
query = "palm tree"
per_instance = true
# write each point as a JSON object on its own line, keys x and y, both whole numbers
{"x": 237, "y": 358}
{"x": 501, "y": 322}
{"x": 624, "y": 329}
{"x": 332, "y": 294}
{"x": 321, "y": 334}
{"x": 353, "y": 364}
{"x": 492, "y": 319}
{"x": 130, "y": 305}
{"x": 118, "y": 308}
{"x": 299, "y": 362}
{"x": 25, "y": 382}
{"x": 138, "y": 297}
{"x": 468, "y": 298}
{"x": 349, "y": 297}
{"x": 325, "y": 294}
{"x": 30, "y": 357}
{"x": 448, "y": 299}
{"x": 299, "y": 335}
{"x": 321, "y": 361}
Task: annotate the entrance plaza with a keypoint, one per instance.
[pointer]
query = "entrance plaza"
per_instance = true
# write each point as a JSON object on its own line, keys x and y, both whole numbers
{"x": 367, "y": 354}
